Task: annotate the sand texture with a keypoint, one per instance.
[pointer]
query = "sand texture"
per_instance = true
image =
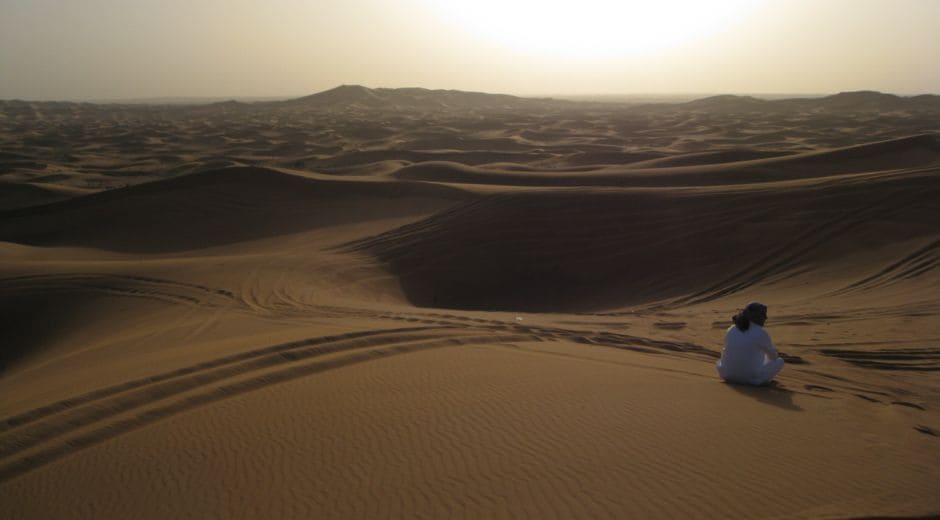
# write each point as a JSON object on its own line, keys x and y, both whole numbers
{"x": 406, "y": 303}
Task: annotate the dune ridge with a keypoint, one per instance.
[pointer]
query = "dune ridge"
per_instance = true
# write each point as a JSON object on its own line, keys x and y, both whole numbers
{"x": 909, "y": 152}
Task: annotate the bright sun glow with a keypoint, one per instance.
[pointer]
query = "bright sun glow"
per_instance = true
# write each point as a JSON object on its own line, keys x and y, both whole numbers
{"x": 592, "y": 28}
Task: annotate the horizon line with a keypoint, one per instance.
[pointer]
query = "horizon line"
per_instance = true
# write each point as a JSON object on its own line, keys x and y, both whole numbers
{"x": 208, "y": 99}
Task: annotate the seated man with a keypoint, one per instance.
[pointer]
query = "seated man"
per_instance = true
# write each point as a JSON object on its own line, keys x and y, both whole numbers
{"x": 749, "y": 356}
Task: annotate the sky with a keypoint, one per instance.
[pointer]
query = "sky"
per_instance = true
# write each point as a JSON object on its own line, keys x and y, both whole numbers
{"x": 132, "y": 49}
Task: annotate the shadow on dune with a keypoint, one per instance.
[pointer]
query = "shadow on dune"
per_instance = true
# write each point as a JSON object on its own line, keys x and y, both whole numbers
{"x": 772, "y": 394}
{"x": 27, "y": 322}
{"x": 15, "y": 196}
{"x": 587, "y": 249}
{"x": 217, "y": 207}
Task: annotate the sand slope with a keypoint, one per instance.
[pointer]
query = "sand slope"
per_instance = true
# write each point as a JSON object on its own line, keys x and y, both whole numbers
{"x": 216, "y": 207}
{"x": 414, "y": 303}
{"x": 604, "y": 248}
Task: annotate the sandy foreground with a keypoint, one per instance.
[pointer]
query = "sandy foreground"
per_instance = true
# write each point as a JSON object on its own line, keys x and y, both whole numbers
{"x": 407, "y": 303}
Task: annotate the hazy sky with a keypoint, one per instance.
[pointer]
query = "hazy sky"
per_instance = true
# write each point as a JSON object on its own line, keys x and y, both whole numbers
{"x": 108, "y": 49}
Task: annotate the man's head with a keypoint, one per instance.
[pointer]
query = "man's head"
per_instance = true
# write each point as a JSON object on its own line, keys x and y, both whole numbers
{"x": 756, "y": 312}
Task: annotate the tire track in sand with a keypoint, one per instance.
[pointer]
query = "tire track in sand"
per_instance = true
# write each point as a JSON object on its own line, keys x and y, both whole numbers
{"x": 915, "y": 264}
{"x": 93, "y": 412}
{"x": 787, "y": 255}
{"x": 27, "y": 449}
{"x": 121, "y": 285}
{"x": 102, "y": 393}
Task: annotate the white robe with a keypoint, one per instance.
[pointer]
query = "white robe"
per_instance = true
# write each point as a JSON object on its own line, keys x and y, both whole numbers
{"x": 749, "y": 356}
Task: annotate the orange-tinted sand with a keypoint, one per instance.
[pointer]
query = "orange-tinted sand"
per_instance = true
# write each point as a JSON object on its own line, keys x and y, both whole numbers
{"x": 410, "y": 303}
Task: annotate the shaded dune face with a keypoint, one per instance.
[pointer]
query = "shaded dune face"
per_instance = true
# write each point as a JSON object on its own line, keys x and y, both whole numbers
{"x": 216, "y": 207}
{"x": 583, "y": 249}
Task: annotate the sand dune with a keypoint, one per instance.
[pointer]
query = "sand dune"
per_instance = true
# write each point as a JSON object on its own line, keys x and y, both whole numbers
{"x": 218, "y": 207}
{"x": 853, "y": 102}
{"x": 908, "y": 152}
{"x": 420, "y": 303}
{"x": 345, "y": 96}
{"x": 608, "y": 248}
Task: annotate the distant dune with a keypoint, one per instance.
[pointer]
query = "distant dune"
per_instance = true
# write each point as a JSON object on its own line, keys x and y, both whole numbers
{"x": 385, "y": 98}
{"x": 434, "y": 303}
{"x": 707, "y": 169}
{"x": 858, "y": 101}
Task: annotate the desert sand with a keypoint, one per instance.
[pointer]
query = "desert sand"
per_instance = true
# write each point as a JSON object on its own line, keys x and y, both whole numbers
{"x": 410, "y": 303}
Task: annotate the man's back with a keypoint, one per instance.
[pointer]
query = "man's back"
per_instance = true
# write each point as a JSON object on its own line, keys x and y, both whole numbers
{"x": 745, "y": 353}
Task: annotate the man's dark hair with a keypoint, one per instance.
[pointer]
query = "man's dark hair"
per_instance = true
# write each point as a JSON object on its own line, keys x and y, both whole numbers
{"x": 742, "y": 320}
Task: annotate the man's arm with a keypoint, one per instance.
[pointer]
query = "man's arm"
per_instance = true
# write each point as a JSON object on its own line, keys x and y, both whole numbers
{"x": 767, "y": 345}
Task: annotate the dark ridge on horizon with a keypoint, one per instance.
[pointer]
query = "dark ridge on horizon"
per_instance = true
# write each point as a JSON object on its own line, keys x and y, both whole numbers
{"x": 423, "y": 98}
{"x": 416, "y": 97}
{"x": 856, "y": 101}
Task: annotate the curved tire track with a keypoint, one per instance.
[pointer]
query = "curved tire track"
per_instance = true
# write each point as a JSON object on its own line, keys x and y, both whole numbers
{"x": 122, "y": 285}
{"x": 286, "y": 364}
{"x": 103, "y": 393}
